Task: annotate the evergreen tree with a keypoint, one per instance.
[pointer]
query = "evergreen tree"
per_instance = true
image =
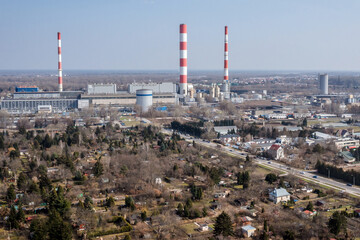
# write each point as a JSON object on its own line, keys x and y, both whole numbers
{"x": 265, "y": 226}
{"x": 98, "y": 168}
{"x": 180, "y": 209}
{"x": 110, "y": 202}
{"x": 223, "y": 225}
{"x": 47, "y": 143}
{"x": 310, "y": 206}
{"x": 12, "y": 219}
{"x": 38, "y": 228}
{"x": 271, "y": 177}
{"x": 243, "y": 178}
{"x": 21, "y": 181}
{"x": 20, "y": 215}
{"x": 2, "y": 145}
{"x": 10, "y": 194}
{"x": 88, "y": 203}
{"x": 143, "y": 215}
{"x": 129, "y": 202}
{"x": 58, "y": 228}
{"x": 337, "y": 222}
{"x": 305, "y": 123}
{"x": 289, "y": 235}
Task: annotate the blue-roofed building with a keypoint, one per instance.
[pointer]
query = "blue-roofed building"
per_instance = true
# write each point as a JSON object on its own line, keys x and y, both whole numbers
{"x": 279, "y": 195}
{"x": 248, "y": 230}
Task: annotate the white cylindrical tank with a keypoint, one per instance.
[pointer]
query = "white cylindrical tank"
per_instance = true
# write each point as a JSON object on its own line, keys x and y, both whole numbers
{"x": 144, "y": 98}
{"x": 324, "y": 81}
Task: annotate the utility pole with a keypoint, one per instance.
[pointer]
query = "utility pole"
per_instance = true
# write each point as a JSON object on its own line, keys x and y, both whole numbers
{"x": 328, "y": 173}
{"x": 354, "y": 180}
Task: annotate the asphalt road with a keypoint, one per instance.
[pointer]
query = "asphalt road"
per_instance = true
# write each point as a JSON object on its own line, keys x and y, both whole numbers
{"x": 306, "y": 175}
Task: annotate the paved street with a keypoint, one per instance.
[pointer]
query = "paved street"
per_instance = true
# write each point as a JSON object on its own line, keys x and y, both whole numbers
{"x": 307, "y": 175}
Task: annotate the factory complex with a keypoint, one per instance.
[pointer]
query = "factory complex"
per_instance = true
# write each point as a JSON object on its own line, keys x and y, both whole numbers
{"x": 30, "y": 99}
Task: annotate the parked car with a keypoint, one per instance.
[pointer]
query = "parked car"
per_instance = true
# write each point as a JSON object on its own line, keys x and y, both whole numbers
{"x": 315, "y": 176}
{"x": 349, "y": 184}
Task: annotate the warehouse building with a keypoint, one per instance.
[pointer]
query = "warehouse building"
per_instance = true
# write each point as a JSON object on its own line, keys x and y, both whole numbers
{"x": 32, "y": 105}
{"x": 157, "y": 88}
{"x": 30, "y": 102}
{"x": 109, "y": 88}
{"x": 126, "y": 99}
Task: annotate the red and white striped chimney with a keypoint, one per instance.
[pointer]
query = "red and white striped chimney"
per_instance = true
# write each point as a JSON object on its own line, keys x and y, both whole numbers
{"x": 59, "y": 63}
{"x": 183, "y": 60}
{"x": 226, "y": 56}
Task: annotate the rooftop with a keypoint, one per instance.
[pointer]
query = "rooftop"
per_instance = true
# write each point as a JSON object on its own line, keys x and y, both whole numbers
{"x": 248, "y": 228}
{"x": 279, "y": 192}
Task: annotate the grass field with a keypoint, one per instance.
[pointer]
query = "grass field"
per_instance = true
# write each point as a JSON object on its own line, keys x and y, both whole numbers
{"x": 269, "y": 169}
{"x": 189, "y": 228}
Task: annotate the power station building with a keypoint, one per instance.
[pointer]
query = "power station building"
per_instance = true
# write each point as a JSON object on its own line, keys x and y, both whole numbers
{"x": 31, "y": 102}
{"x": 164, "y": 87}
{"x": 102, "y": 88}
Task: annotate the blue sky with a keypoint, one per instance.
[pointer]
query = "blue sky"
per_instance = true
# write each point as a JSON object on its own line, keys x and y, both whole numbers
{"x": 143, "y": 34}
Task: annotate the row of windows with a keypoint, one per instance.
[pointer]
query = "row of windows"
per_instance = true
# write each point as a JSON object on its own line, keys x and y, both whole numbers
{"x": 61, "y": 104}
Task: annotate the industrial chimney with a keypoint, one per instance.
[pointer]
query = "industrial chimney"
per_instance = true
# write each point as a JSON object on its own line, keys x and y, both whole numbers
{"x": 183, "y": 60}
{"x": 226, "y": 56}
{"x": 59, "y": 63}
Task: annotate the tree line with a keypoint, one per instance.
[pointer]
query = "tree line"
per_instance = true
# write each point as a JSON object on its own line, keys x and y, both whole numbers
{"x": 338, "y": 173}
{"x": 193, "y": 128}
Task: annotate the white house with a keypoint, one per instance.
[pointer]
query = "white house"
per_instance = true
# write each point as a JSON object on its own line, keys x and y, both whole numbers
{"x": 276, "y": 152}
{"x": 279, "y": 195}
{"x": 248, "y": 230}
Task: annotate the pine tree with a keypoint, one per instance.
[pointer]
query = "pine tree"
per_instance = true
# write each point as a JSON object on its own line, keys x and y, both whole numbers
{"x": 98, "y": 168}
{"x": 21, "y": 181}
{"x": 310, "y": 206}
{"x": 12, "y": 219}
{"x": 10, "y": 194}
{"x": 38, "y": 228}
{"x": 223, "y": 225}
{"x": 110, "y": 202}
{"x": 58, "y": 228}
{"x": 337, "y": 222}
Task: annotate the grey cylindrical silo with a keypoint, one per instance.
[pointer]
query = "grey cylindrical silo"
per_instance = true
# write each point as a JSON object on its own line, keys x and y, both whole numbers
{"x": 324, "y": 84}
{"x": 144, "y": 99}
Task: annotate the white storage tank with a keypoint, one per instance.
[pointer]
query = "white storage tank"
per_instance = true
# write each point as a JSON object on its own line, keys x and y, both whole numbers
{"x": 324, "y": 84}
{"x": 144, "y": 98}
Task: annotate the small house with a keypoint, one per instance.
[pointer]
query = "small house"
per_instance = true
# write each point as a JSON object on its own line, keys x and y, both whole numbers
{"x": 248, "y": 230}
{"x": 276, "y": 152}
{"x": 279, "y": 195}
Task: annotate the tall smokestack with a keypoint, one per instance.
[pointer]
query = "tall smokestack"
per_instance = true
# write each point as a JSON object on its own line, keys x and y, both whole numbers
{"x": 226, "y": 56}
{"x": 59, "y": 63}
{"x": 183, "y": 60}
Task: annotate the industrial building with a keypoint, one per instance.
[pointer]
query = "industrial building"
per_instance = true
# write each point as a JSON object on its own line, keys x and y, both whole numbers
{"x": 101, "y": 88}
{"x": 29, "y": 102}
{"x": 126, "y": 99}
{"x": 324, "y": 84}
{"x": 164, "y": 87}
{"x": 32, "y": 105}
{"x": 26, "y": 89}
